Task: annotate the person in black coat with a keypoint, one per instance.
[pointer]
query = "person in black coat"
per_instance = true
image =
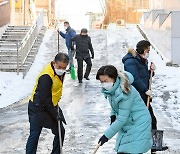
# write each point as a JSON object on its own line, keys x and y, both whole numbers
{"x": 83, "y": 45}
{"x": 136, "y": 63}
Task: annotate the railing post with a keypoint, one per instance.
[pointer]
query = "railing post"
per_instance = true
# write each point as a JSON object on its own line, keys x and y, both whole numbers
{"x": 17, "y": 59}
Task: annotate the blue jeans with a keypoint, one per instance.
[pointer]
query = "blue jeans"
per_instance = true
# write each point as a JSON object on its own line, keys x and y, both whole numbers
{"x": 35, "y": 131}
{"x": 70, "y": 54}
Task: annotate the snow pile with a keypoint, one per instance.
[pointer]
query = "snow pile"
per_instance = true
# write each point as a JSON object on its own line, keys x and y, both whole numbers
{"x": 13, "y": 87}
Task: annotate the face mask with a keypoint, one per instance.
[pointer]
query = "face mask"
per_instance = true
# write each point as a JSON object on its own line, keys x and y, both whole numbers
{"x": 146, "y": 56}
{"x": 59, "y": 71}
{"x": 107, "y": 85}
{"x": 65, "y": 27}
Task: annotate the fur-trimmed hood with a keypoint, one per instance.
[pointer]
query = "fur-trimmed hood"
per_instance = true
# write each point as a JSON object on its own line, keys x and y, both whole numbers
{"x": 131, "y": 54}
{"x": 132, "y": 51}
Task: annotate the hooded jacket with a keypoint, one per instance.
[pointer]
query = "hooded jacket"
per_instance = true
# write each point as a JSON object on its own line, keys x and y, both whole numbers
{"x": 133, "y": 121}
{"x": 139, "y": 69}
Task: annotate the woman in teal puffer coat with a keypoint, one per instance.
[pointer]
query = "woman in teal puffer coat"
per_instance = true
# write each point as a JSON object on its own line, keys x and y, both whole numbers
{"x": 129, "y": 115}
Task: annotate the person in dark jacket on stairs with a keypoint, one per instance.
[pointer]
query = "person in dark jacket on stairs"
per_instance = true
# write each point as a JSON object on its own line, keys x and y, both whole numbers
{"x": 43, "y": 104}
{"x": 83, "y": 45}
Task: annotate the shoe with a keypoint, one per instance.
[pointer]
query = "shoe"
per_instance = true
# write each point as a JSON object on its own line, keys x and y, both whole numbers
{"x": 68, "y": 70}
{"x": 80, "y": 81}
{"x": 163, "y": 149}
{"x": 86, "y": 78}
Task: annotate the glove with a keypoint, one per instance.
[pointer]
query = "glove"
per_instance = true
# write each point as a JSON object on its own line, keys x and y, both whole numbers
{"x": 113, "y": 118}
{"x": 149, "y": 93}
{"x": 103, "y": 139}
{"x": 92, "y": 57}
{"x": 152, "y": 66}
{"x": 60, "y": 116}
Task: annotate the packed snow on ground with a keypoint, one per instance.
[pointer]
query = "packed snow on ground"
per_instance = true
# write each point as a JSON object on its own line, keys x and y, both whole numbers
{"x": 113, "y": 43}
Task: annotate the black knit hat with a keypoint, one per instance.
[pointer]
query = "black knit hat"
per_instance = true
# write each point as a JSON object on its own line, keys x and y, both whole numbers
{"x": 84, "y": 30}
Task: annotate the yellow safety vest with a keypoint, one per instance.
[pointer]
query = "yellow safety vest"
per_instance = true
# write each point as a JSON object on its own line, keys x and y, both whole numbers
{"x": 57, "y": 84}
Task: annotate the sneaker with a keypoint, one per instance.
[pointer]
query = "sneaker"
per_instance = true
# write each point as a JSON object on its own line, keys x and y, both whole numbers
{"x": 86, "y": 78}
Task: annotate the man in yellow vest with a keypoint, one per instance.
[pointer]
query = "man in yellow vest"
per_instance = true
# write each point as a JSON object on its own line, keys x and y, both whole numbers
{"x": 43, "y": 104}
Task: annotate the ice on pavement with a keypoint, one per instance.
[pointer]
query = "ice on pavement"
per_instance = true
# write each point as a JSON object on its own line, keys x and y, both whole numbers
{"x": 85, "y": 108}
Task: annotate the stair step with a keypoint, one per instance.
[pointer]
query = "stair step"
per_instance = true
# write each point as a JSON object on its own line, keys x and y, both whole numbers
{"x": 15, "y": 33}
{"x": 14, "y": 63}
{"x": 9, "y": 42}
{"x": 7, "y": 46}
{"x": 13, "y": 37}
{"x": 7, "y": 50}
{"x": 18, "y": 27}
{"x": 9, "y": 39}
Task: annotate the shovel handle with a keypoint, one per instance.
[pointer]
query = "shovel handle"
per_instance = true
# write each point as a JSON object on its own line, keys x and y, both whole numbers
{"x": 97, "y": 147}
{"x": 150, "y": 83}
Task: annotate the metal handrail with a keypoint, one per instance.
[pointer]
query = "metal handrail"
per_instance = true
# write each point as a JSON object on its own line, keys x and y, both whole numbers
{"x": 24, "y": 47}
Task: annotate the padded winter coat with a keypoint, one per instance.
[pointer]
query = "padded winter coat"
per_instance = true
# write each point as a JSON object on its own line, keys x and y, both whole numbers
{"x": 139, "y": 70}
{"x": 133, "y": 121}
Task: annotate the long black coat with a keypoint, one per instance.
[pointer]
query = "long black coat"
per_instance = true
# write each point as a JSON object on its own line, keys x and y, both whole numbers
{"x": 83, "y": 45}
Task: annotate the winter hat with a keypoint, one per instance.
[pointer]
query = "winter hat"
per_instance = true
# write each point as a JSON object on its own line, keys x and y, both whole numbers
{"x": 84, "y": 30}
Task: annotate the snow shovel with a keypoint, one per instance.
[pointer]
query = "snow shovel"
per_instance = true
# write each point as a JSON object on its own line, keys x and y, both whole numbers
{"x": 97, "y": 147}
{"x": 157, "y": 135}
{"x": 59, "y": 130}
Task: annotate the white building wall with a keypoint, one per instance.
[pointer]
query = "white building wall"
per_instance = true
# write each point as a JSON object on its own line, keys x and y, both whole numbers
{"x": 164, "y": 4}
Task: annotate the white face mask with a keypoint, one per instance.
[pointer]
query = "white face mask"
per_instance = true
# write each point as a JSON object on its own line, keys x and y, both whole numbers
{"x": 59, "y": 71}
{"x": 107, "y": 85}
{"x": 146, "y": 56}
{"x": 65, "y": 27}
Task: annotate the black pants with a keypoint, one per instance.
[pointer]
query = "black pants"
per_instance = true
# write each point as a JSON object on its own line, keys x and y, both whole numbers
{"x": 80, "y": 68}
{"x": 35, "y": 131}
{"x": 154, "y": 121}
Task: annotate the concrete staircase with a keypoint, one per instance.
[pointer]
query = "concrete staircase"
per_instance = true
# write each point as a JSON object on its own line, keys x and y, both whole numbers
{"x": 8, "y": 48}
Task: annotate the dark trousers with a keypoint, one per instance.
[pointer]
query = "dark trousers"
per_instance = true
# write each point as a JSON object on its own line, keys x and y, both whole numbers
{"x": 80, "y": 68}
{"x": 35, "y": 131}
{"x": 154, "y": 121}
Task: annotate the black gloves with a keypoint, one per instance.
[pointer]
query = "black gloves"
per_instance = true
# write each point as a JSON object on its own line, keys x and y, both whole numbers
{"x": 113, "y": 118}
{"x": 103, "y": 139}
{"x": 61, "y": 116}
{"x": 92, "y": 56}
